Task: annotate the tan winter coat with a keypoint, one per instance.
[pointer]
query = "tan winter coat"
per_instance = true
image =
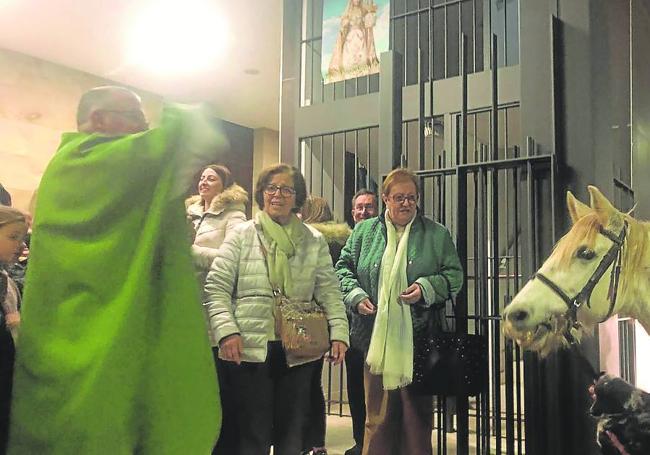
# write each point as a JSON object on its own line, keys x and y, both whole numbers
{"x": 225, "y": 212}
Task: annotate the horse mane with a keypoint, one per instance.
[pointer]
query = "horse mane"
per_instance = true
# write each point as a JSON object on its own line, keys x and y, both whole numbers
{"x": 584, "y": 233}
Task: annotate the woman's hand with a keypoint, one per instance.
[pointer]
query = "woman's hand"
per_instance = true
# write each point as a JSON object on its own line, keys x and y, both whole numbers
{"x": 337, "y": 352}
{"x": 366, "y": 307}
{"x": 411, "y": 294}
{"x": 231, "y": 348}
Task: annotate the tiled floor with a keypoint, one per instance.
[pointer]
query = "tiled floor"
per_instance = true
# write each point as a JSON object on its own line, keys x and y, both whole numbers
{"x": 339, "y": 436}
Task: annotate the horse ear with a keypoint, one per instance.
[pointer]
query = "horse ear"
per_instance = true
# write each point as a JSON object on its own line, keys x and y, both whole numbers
{"x": 605, "y": 210}
{"x": 576, "y": 208}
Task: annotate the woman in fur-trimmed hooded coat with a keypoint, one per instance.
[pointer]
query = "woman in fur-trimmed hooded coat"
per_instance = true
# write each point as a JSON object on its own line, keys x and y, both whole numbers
{"x": 214, "y": 212}
{"x": 225, "y": 210}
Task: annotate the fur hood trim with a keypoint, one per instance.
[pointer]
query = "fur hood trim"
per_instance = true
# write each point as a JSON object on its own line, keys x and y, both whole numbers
{"x": 233, "y": 197}
{"x": 333, "y": 232}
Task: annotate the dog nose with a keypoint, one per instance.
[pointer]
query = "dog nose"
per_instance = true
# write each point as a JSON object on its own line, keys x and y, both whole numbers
{"x": 518, "y": 316}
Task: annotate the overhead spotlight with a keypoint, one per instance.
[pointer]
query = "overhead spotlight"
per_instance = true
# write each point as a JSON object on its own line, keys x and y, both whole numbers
{"x": 177, "y": 36}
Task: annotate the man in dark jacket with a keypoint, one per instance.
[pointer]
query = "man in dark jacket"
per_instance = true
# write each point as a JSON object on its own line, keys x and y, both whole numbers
{"x": 364, "y": 206}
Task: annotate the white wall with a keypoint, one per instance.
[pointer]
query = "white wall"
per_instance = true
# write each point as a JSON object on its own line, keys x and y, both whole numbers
{"x": 642, "y": 365}
{"x": 38, "y": 102}
{"x": 266, "y": 151}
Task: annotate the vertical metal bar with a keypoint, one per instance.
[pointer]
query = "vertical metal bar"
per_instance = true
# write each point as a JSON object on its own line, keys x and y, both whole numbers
{"x": 356, "y": 154}
{"x": 554, "y": 221}
{"x": 404, "y": 161}
{"x": 417, "y": 17}
{"x": 495, "y": 101}
{"x": 405, "y": 61}
{"x": 461, "y": 239}
{"x": 505, "y": 34}
{"x": 508, "y": 346}
{"x": 322, "y": 167}
{"x": 439, "y": 184}
{"x": 443, "y": 196}
{"x": 496, "y": 300}
{"x": 531, "y": 369}
{"x": 463, "y": 112}
{"x": 311, "y": 159}
{"x": 446, "y": 59}
{"x": 430, "y": 56}
{"x": 482, "y": 257}
{"x": 421, "y": 106}
{"x": 477, "y": 217}
{"x": 509, "y": 380}
{"x": 368, "y": 166}
{"x": 516, "y": 222}
{"x": 474, "y": 34}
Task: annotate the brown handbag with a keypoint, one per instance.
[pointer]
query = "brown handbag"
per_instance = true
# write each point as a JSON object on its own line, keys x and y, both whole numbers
{"x": 302, "y": 326}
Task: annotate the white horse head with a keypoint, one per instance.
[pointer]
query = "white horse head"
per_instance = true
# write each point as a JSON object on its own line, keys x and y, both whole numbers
{"x": 539, "y": 318}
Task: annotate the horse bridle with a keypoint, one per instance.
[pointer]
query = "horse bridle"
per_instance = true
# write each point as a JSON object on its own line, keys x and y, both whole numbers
{"x": 614, "y": 254}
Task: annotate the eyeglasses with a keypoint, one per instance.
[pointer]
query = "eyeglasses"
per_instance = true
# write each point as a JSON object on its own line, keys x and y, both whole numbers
{"x": 285, "y": 191}
{"x": 400, "y": 198}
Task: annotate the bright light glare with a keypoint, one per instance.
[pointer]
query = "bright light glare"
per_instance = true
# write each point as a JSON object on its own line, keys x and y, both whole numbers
{"x": 178, "y": 36}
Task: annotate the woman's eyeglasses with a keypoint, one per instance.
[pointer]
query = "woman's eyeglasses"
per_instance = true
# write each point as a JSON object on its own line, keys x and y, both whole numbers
{"x": 285, "y": 191}
{"x": 401, "y": 198}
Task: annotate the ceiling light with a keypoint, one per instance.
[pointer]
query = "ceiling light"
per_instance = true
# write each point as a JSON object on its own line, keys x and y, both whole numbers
{"x": 177, "y": 36}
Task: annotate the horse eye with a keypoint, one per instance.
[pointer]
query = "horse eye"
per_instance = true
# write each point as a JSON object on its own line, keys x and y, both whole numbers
{"x": 585, "y": 253}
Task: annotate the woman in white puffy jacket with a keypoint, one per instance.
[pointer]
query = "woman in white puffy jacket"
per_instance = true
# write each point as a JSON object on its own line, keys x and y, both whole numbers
{"x": 263, "y": 400}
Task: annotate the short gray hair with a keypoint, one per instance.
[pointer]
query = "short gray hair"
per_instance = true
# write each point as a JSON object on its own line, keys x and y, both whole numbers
{"x": 97, "y": 98}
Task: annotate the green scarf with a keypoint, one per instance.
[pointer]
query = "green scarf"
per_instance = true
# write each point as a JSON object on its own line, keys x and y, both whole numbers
{"x": 283, "y": 240}
{"x": 391, "y": 346}
{"x": 113, "y": 356}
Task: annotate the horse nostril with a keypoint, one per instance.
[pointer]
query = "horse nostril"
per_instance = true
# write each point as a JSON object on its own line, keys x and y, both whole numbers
{"x": 518, "y": 316}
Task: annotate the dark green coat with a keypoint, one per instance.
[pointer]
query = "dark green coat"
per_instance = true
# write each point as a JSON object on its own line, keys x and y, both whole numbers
{"x": 432, "y": 262}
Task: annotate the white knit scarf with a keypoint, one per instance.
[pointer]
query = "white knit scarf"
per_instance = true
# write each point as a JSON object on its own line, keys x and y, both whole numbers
{"x": 391, "y": 345}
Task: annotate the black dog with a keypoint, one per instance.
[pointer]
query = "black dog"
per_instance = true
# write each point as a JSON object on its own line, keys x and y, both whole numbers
{"x": 623, "y": 414}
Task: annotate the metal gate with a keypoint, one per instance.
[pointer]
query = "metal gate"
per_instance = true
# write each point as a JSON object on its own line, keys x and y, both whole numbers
{"x": 497, "y": 197}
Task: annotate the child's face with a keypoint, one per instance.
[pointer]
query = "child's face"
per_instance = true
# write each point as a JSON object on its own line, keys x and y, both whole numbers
{"x": 11, "y": 241}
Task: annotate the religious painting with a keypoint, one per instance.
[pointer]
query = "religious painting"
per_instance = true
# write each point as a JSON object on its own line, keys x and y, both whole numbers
{"x": 355, "y": 33}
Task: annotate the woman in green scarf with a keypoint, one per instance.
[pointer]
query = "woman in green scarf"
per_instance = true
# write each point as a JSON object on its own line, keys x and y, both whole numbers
{"x": 275, "y": 247}
{"x": 394, "y": 270}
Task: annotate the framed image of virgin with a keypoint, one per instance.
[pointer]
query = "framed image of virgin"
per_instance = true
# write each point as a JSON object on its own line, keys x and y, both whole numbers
{"x": 355, "y": 33}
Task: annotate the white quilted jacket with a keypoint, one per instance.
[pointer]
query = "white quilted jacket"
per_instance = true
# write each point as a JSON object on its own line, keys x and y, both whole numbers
{"x": 238, "y": 297}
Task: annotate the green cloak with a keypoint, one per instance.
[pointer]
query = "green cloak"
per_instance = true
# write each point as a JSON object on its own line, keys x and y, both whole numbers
{"x": 112, "y": 354}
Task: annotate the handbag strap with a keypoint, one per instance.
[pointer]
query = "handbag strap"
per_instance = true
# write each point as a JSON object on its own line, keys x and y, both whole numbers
{"x": 274, "y": 287}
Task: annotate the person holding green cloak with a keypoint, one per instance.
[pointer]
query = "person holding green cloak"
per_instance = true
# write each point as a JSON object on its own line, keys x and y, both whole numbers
{"x": 112, "y": 356}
